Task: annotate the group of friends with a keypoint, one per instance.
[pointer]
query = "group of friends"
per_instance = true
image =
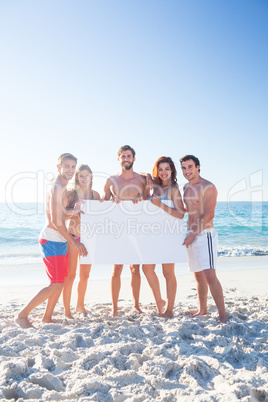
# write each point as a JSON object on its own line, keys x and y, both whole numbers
{"x": 60, "y": 238}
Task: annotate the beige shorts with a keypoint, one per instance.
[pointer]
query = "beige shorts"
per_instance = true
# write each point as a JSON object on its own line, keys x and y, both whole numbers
{"x": 202, "y": 253}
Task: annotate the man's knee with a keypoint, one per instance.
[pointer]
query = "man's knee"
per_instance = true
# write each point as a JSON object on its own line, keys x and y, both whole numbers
{"x": 57, "y": 286}
{"x": 199, "y": 276}
{"x": 134, "y": 269}
{"x": 210, "y": 275}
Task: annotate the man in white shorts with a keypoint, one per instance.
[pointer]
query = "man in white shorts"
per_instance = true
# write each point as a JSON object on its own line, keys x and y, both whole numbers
{"x": 200, "y": 197}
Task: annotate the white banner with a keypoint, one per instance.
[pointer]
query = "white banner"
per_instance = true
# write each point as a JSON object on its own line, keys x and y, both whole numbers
{"x": 128, "y": 233}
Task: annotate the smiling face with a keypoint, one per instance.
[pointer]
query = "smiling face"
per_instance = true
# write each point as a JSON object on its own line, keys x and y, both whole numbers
{"x": 126, "y": 160}
{"x": 189, "y": 170}
{"x": 84, "y": 178}
{"x": 164, "y": 172}
{"x": 67, "y": 169}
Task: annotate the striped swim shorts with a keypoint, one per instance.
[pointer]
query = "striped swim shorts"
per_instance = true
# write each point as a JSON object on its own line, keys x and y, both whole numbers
{"x": 202, "y": 253}
{"x": 55, "y": 257}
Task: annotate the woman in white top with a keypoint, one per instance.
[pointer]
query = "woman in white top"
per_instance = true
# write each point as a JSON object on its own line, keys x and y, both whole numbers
{"x": 166, "y": 196}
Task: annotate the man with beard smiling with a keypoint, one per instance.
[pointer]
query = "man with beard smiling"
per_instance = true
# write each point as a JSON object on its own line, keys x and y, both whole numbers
{"x": 126, "y": 185}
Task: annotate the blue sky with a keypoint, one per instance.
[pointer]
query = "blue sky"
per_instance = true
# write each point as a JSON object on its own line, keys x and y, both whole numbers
{"x": 167, "y": 77}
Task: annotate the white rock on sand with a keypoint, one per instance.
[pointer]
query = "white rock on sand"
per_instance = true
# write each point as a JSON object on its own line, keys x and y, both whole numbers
{"x": 138, "y": 357}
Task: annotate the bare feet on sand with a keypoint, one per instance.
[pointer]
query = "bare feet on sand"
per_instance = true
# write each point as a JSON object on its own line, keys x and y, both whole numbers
{"x": 223, "y": 319}
{"x": 81, "y": 310}
{"x": 138, "y": 310}
{"x": 162, "y": 307}
{"x": 195, "y": 313}
{"x": 48, "y": 321}
{"x": 69, "y": 316}
{"x": 23, "y": 322}
{"x": 167, "y": 314}
{"x": 113, "y": 313}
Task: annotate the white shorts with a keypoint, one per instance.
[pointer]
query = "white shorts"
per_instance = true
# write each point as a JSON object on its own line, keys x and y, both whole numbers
{"x": 202, "y": 253}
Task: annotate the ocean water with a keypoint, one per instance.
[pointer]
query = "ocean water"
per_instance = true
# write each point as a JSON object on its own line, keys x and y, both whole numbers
{"x": 242, "y": 229}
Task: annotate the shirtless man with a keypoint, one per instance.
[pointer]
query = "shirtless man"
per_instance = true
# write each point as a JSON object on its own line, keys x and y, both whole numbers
{"x": 53, "y": 241}
{"x": 126, "y": 185}
{"x": 200, "y": 197}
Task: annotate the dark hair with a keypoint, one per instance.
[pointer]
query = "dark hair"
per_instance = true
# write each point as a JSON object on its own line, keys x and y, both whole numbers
{"x": 126, "y": 148}
{"x": 164, "y": 159}
{"x": 189, "y": 157}
{"x": 67, "y": 155}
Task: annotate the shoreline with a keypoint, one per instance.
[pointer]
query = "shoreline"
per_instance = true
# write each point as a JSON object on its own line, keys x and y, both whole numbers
{"x": 250, "y": 277}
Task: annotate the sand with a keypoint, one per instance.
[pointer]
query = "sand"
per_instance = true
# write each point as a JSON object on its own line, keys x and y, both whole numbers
{"x": 141, "y": 357}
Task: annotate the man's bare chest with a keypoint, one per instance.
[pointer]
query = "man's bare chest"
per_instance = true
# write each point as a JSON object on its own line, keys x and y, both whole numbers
{"x": 127, "y": 188}
{"x": 193, "y": 199}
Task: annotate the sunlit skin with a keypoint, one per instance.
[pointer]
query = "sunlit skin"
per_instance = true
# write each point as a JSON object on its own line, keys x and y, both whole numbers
{"x": 126, "y": 160}
{"x": 200, "y": 197}
{"x": 126, "y": 185}
{"x": 164, "y": 172}
{"x": 56, "y": 215}
{"x": 84, "y": 192}
{"x": 67, "y": 169}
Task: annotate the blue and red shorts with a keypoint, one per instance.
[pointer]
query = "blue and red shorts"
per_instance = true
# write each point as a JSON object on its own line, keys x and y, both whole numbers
{"x": 55, "y": 257}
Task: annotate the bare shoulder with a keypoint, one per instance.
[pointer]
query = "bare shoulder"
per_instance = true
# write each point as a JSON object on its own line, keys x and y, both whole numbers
{"x": 208, "y": 184}
{"x": 175, "y": 190}
{"x": 113, "y": 179}
{"x": 209, "y": 189}
{"x": 57, "y": 188}
{"x": 141, "y": 177}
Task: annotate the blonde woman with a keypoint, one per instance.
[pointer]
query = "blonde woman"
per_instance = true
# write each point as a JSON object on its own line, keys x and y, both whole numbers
{"x": 82, "y": 190}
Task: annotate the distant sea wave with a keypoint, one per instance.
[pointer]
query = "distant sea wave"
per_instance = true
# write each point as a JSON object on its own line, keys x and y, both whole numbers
{"x": 34, "y": 256}
{"x": 242, "y": 251}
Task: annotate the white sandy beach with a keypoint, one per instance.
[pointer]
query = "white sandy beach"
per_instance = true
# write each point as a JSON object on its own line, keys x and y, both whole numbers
{"x": 142, "y": 357}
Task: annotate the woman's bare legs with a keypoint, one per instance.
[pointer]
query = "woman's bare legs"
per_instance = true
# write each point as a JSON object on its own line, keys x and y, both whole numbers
{"x": 115, "y": 287}
{"x": 149, "y": 272}
{"x": 82, "y": 287}
{"x": 67, "y": 290}
{"x": 171, "y": 283}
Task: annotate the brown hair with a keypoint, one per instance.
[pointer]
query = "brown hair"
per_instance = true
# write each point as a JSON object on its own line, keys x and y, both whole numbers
{"x": 126, "y": 148}
{"x": 66, "y": 155}
{"x": 164, "y": 159}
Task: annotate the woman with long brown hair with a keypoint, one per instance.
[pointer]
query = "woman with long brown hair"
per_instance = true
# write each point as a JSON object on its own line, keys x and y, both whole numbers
{"x": 82, "y": 190}
{"x": 166, "y": 196}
